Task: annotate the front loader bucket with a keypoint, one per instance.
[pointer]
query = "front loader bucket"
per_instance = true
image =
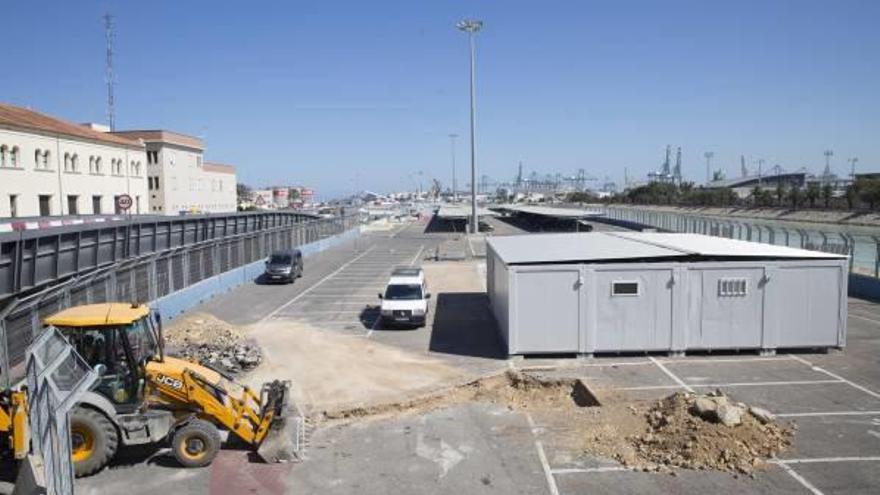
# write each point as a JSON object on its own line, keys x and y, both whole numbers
{"x": 285, "y": 440}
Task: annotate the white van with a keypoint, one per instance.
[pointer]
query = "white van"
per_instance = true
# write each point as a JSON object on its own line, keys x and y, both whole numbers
{"x": 405, "y": 301}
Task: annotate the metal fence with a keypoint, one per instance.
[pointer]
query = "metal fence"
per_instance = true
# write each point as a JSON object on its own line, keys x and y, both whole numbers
{"x": 57, "y": 377}
{"x": 146, "y": 278}
{"x": 863, "y": 249}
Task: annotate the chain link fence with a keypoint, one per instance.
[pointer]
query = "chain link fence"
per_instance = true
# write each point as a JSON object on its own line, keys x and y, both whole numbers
{"x": 147, "y": 278}
{"x": 863, "y": 249}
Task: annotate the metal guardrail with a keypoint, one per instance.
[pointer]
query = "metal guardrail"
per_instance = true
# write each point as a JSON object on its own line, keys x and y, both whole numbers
{"x": 863, "y": 250}
{"x": 32, "y": 259}
{"x": 147, "y": 275}
{"x": 57, "y": 377}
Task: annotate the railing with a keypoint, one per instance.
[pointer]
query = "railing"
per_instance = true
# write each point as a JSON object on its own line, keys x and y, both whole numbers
{"x": 863, "y": 249}
{"x": 147, "y": 275}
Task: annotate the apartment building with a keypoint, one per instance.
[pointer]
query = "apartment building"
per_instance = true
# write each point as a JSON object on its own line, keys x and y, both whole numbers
{"x": 178, "y": 180}
{"x": 50, "y": 167}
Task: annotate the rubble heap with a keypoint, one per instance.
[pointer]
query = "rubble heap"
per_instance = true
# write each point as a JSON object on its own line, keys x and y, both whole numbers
{"x": 709, "y": 432}
{"x": 214, "y": 343}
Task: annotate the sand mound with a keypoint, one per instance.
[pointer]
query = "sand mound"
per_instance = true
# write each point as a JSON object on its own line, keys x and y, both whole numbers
{"x": 333, "y": 371}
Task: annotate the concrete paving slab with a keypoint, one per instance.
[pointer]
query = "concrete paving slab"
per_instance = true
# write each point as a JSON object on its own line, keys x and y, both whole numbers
{"x": 849, "y": 478}
{"x": 751, "y": 371}
{"x": 806, "y": 398}
{"x": 774, "y": 481}
{"x": 836, "y": 436}
{"x": 473, "y": 448}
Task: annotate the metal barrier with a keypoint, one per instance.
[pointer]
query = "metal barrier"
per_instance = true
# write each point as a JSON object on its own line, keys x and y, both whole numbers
{"x": 147, "y": 277}
{"x": 863, "y": 249}
{"x": 57, "y": 377}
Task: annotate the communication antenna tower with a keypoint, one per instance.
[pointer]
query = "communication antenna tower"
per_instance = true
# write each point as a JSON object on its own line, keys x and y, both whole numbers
{"x": 111, "y": 106}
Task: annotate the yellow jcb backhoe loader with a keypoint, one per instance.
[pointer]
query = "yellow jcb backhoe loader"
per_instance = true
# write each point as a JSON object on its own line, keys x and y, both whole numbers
{"x": 143, "y": 396}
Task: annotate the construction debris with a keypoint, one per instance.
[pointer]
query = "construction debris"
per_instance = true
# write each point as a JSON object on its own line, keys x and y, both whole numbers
{"x": 689, "y": 431}
{"x": 214, "y": 343}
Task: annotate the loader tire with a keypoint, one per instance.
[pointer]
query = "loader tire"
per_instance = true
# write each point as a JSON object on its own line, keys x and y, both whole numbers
{"x": 94, "y": 441}
{"x": 196, "y": 443}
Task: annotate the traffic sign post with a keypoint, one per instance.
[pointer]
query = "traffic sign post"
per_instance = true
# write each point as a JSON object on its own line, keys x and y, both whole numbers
{"x": 124, "y": 202}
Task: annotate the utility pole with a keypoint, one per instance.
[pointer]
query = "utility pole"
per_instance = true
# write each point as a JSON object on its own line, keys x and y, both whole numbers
{"x": 708, "y": 155}
{"x": 111, "y": 106}
{"x": 472, "y": 27}
{"x": 454, "y": 184}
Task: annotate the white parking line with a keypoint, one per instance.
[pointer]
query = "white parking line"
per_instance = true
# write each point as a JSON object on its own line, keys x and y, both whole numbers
{"x": 817, "y": 460}
{"x": 603, "y": 469}
{"x": 872, "y": 320}
{"x": 829, "y": 413}
{"x": 416, "y": 257}
{"x": 318, "y": 283}
{"x": 800, "y": 479}
{"x": 551, "y": 481}
{"x": 722, "y": 360}
{"x": 834, "y": 375}
{"x": 672, "y": 375}
{"x": 734, "y": 384}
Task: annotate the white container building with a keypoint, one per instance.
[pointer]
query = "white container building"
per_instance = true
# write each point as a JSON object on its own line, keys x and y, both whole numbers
{"x": 633, "y": 292}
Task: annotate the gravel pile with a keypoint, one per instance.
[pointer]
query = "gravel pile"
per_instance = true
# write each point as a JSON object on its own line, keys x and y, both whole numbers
{"x": 214, "y": 343}
{"x": 709, "y": 432}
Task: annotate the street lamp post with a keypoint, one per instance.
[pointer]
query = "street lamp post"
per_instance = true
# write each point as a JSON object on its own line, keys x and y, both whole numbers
{"x": 454, "y": 184}
{"x": 471, "y": 27}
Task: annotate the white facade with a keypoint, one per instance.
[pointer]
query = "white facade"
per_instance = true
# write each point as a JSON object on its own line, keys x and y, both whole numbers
{"x": 179, "y": 181}
{"x": 50, "y": 167}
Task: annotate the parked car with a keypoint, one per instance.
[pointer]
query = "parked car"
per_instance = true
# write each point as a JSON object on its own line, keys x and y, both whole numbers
{"x": 284, "y": 266}
{"x": 405, "y": 301}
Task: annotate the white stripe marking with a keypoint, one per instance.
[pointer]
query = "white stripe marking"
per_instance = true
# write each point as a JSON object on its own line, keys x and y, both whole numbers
{"x": 834, "y": 375}
{"x": 872, "y": 320}
{"x": 800, "y": 479}
{"x": 829, "y": 413}
{"x": 603, "y": 469}
{"x": 672, "y": 375}
{"x": 551, "y": 482}
{"x": 818, "y": 460}
{"x": 416, "y": 257}
{"x": 303, "y": 293}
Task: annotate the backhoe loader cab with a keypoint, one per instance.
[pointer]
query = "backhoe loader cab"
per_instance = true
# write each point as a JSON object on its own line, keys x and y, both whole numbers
{"x": 143, "y": 396}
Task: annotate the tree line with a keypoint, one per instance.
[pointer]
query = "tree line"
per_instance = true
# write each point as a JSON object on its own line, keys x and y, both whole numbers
{"x": 863, "y": 194}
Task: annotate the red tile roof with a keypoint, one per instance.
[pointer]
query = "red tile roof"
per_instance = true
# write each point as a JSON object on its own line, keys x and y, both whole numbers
{"x": 19, "y": 118}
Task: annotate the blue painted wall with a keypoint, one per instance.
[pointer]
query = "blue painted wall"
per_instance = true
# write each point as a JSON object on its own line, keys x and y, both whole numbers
{"x": 175, "y": 304}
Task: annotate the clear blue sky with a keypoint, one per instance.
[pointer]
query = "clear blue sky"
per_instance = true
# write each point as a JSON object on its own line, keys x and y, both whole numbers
{"x": 338, "y": 93}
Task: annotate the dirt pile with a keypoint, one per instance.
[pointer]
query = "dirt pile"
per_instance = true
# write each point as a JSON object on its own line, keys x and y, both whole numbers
{"x": 642, "y": 435}
{"x": 709, "y": 432}
{"x": 212, "y": 342}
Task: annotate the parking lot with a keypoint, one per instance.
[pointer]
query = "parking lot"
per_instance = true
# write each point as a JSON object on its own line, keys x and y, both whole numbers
{"x": 478, "y": 447}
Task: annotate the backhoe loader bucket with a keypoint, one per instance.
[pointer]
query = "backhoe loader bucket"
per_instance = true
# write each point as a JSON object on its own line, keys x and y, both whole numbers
{"x": 285, "y": 440}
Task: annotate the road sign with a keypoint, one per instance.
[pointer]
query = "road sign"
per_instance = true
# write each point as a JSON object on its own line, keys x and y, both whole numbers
{"x": 124, "y": 202}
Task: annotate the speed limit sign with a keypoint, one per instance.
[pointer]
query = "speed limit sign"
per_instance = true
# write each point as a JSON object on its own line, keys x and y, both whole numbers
{"x": 124, "y": 202}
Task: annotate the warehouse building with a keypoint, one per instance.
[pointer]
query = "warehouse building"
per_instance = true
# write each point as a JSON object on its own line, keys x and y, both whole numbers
{"x": 638, "y": 292}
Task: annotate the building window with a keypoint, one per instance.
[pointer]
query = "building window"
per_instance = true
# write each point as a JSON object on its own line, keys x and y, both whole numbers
{"x": 45, "y": 205}
{"x": 13, "y": 205}
{"x": 3, "y": 152}
{"x": 38, "y": 156}
{"x": 13, "y": 157}
{"x": 135, "y": 169}
{"x": 625, "y": 288}
{"x": 98, "y": 165}
{"x": 152, "y": 157}
{"x": 96, "y": 205}
{"x": 67, "y": 162}
{"x": 72, "y": 207}
{"x": 92, "y": 169}
{"x": 733, "y": 287}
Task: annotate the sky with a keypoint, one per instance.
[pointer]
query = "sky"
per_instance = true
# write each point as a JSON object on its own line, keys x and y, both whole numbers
{"x": 354, "y": 95}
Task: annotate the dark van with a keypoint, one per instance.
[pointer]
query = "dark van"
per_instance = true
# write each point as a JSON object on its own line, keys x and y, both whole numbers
{"x": 284, "y": 266}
